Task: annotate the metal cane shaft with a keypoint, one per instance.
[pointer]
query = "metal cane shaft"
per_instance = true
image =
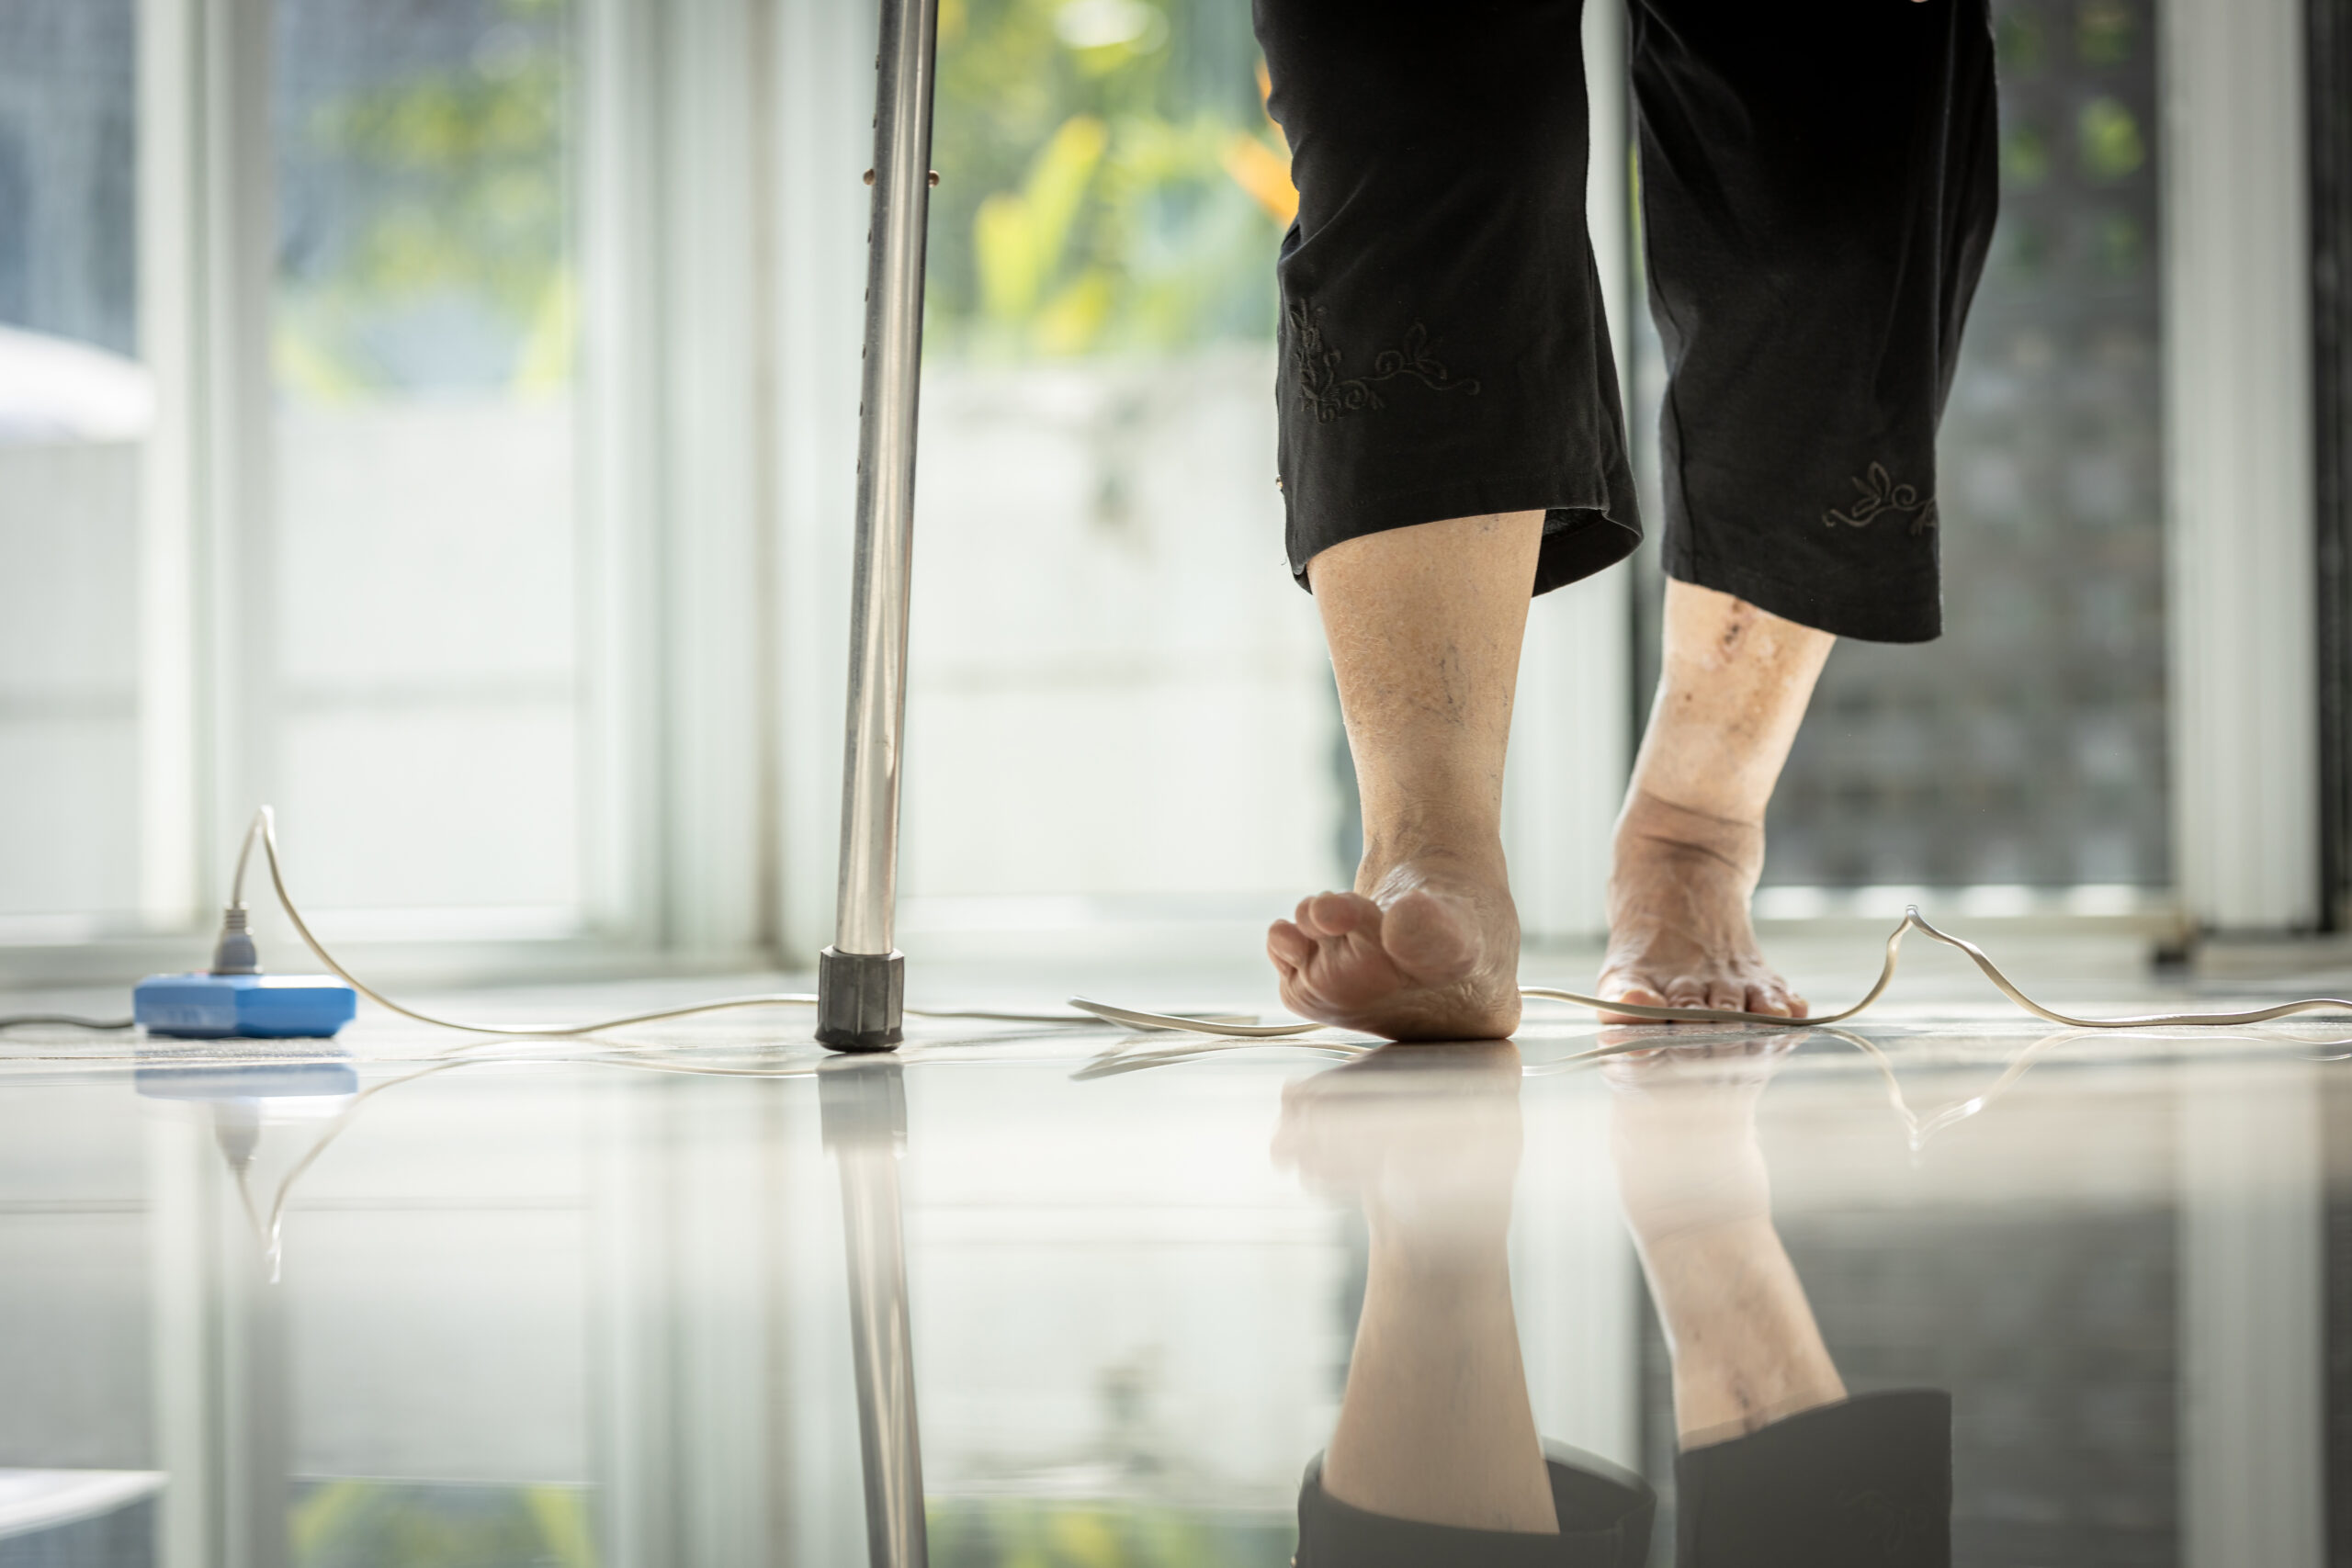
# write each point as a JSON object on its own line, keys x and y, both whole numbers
{"x": 886, "y": 479}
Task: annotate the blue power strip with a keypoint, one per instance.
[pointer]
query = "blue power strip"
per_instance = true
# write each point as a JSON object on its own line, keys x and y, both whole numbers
{"x": 258, "y": 1007}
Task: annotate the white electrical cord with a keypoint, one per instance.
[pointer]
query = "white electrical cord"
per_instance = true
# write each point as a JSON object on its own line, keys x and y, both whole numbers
{"x": 1912, "y": 921}
{"x": 265, "y": 830}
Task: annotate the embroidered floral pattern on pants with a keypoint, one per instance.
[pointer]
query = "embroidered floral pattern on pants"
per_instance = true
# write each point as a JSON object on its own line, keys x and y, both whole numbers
{"x": 1332, "y": 395}
{"x": 1880, "y": 497}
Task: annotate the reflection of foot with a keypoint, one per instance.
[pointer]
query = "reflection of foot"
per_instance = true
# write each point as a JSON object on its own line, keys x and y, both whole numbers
{"x": 1722, "y": 1071}
{"x": 1426, "y": 1140}
{"x": 1678, "y": 915}
{"x": 1432, "y": 953}
{"x": 1682, "y": 1130}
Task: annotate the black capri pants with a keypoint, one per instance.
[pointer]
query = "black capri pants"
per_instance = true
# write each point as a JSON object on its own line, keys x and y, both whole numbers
{"x": 1818, "y": 185}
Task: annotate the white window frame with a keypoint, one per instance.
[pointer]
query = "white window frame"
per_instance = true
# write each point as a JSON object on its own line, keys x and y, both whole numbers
{"x": 2242, "y": 612}
{"x": 676, "y": 128}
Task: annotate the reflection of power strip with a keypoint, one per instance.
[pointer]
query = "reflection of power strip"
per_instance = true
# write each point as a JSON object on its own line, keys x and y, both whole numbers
{"x": 258, "y": 1007}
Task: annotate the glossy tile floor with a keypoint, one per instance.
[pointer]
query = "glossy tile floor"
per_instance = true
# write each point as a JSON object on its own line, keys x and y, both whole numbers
{"x": 416, "y": 1300}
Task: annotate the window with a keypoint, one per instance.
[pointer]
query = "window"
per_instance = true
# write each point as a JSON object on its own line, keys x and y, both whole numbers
{"x": 423, "y": 735}
{"x": 290, "y": 516}
{"x": 74, "y": 405}
{"x": 1099, "y": 571}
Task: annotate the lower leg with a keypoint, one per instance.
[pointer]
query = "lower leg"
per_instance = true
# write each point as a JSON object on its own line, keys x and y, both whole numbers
{"x": 1424, "y": 625}
{"x": 1690, "y": 841}
{"x": 1745, "y": 1349}
{"x": 1436, "y": 1425}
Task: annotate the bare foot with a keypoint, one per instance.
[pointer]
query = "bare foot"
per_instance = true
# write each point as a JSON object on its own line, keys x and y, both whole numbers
{"x": 1678, "y": 915}
{"x": 1429, "y": 952}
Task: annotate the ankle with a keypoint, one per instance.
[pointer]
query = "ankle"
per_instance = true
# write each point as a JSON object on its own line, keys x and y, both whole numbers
{"x": 1651, "y": 827}
{"x": 1469, "y": 856}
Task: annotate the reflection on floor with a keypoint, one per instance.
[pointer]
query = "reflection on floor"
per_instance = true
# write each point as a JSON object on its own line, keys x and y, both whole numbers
{"x": 417, "y": 1299}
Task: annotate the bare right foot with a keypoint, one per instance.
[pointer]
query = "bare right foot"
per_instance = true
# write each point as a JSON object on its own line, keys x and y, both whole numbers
{"x": 1678, "y": 934}
{"x": 1429, "y": 952}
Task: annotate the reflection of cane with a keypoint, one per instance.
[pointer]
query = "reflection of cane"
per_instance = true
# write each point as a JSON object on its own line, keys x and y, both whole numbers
{"x": 860, "y": 978}
{"x": 865, "y": 1126}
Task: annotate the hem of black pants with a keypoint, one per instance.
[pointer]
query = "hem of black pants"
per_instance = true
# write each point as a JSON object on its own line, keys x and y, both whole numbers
{"x": 1580, "y": 536}
{"x": 1878, "y": 615}
{"x": 1867, "y": 1479}
{"x": 1603, "y": 1512}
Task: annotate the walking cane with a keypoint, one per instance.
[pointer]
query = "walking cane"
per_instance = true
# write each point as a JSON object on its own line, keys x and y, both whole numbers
{"x": 861, "y": 979}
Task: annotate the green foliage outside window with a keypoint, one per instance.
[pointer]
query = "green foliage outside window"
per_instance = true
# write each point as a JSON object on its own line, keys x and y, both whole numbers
{"x": 1109, "y": 184}
{"x": 2103, "y": 32}
{"x": 377, "y": 1524}
{"x": 2025, "y": 155}
{"x": 1088, "y": 201}
{"x": 443, "y": 183}
{"x": 2018, "y": 40}
{"x": 2109, "y": 135}
{"x": 1025, "y": 1532}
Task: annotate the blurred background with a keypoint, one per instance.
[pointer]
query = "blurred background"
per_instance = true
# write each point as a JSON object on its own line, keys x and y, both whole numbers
{"x": 436, "y": 418}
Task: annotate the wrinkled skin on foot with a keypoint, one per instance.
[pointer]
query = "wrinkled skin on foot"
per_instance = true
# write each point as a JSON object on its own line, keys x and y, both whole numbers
{"x": 1678, "y": 934}
{"x": 1430, "y": 951}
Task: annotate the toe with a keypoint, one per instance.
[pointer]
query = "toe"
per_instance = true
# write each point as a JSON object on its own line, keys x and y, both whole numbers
{"x": 1336, "y": 914}
{"x": 1727, "y": 996}
{"x": 1633, "y": 990}
{"x": 1686, "y": 992}
{"x": 1288, "y": 946}
{"x": 1426, "y": 940}
{"x": 1768, "y": 998}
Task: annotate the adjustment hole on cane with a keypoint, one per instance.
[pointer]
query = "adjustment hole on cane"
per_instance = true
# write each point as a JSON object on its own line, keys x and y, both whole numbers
{"x": 934, "y": 178}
